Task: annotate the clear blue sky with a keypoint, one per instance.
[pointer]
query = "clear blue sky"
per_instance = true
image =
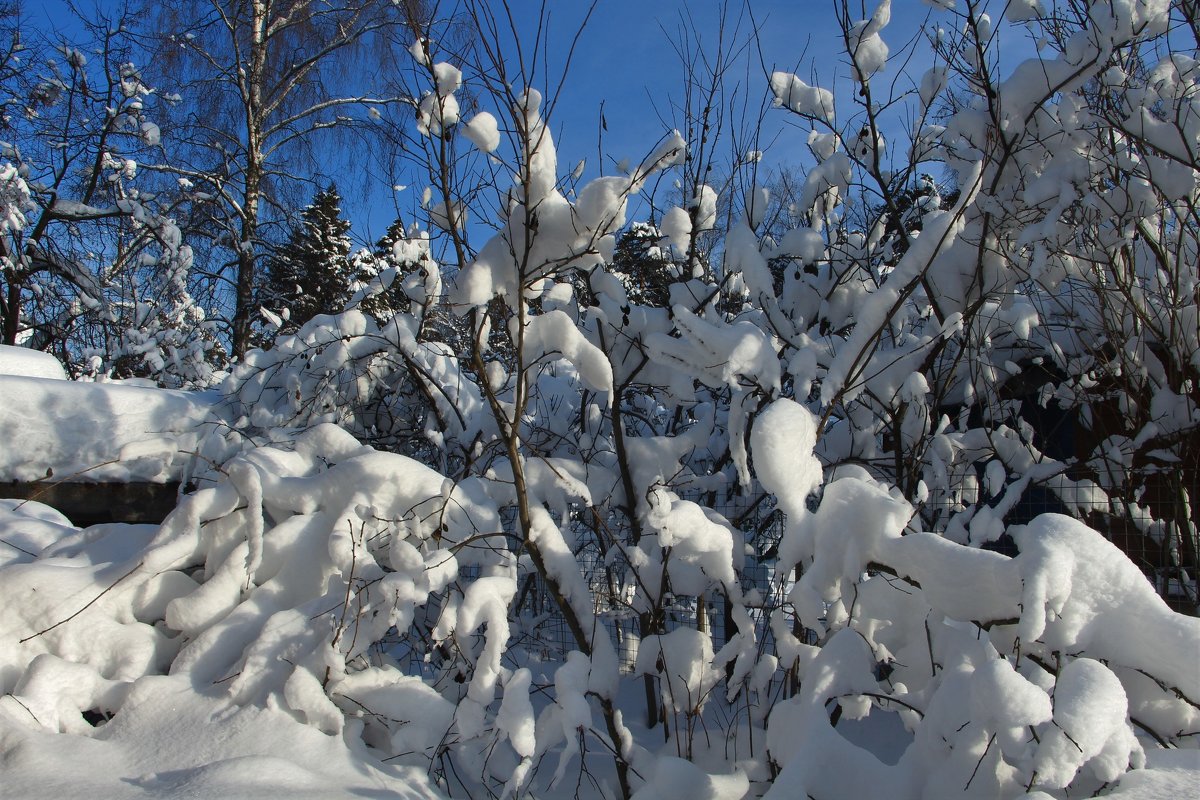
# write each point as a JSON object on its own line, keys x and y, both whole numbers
{"x": 625, "y": 60}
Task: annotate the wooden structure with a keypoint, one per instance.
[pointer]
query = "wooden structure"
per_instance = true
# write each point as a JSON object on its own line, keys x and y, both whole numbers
{"x": 94, "y": 503}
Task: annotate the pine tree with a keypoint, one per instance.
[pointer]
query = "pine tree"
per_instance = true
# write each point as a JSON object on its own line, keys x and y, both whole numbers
{"x": 311, "y": 274}
{"x": 395, "y": 232}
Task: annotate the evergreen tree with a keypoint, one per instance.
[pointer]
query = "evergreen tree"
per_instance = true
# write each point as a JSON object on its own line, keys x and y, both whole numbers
{"x": 369, "y": 264}
{"x": 311, "y": 273}
{"x": 644, "y": 266}
{"x": 395, "y": 232}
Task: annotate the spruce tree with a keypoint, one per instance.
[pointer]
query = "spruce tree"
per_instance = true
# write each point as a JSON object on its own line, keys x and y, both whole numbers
{"x": 311, "y": 273}
{"x": 644, "y": 266}
{"x": 395, "y": 232}
{"x": 369, "y": 264}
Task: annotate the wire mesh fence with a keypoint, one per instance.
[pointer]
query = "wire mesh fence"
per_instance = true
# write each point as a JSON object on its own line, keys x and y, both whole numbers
{"x": 1150, "y": 514}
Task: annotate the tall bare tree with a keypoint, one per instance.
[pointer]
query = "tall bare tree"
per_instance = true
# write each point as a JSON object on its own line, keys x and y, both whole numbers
{"x": 262, "y": 81}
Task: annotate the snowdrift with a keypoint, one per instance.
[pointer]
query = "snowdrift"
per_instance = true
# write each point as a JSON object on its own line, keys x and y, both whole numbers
{"x": 292, "y": 625}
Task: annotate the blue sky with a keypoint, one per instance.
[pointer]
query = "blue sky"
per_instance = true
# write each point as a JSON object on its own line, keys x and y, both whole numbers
{"x": 630, "y": 54}
{"x": 625, "y": 60}
{"x": 625, "y": 54}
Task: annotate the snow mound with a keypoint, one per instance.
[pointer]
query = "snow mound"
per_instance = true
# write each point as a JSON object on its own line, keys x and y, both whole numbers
{"x": 30, "y": 363}
{"x": 98, "y": 431}
{"x": 171, "y": 741}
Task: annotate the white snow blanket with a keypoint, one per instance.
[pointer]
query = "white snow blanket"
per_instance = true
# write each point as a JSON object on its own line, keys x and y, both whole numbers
{"x": 97, "y": 431}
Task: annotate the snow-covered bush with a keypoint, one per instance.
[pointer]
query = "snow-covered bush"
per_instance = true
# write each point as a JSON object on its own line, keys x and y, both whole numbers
{"x": 1031, "y": 327}
{"x": 306, "y": 581}
{"x": 1009, "y": 672}
{"x": 590, "y": 458}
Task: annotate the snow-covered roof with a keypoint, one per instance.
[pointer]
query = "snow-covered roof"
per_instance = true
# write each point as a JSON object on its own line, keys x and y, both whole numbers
{"x": 78, "y": 431}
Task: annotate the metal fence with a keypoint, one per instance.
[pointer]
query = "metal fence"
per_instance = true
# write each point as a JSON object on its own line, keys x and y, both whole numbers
{"x": 1151, "y": 514}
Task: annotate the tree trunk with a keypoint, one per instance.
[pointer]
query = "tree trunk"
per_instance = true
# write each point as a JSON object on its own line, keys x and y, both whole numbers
{"x": 247, "y": 273}
{"x": 12, "y": 314}
{"x": 251, "y": 89}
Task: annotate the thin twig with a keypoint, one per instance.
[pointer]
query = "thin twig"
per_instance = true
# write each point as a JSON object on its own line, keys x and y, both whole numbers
{"x": 110, "y": 587}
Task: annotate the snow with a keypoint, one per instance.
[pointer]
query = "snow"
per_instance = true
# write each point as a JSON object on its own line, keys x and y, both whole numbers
{"x": 448, "y": 78}
{"x": 726, "y": 354}
{"x": 15, "y": 199}
{"x": 554, "y": 333}
{"x": 409, "y": 717}
{"x": 706, "y": 208}
{"x": 781, "y": 443}
{"x": 867, "y": 49}
{"x": 1168, "y": 774}
{"x": 1002, "y": 696}
{"x": 419, "y": 50}
{"x": 1080, "y": 590}
{"x": 151, "y": 134}
{"x": 933, "y": 83}
{"x": 170, "y": 740}
{"x": 98, "y": 431}
{"x": 601, "y": 204}
{"x": 682, "y": 658}
{"x": 1089, "y": 726}
{"x": 795, "y": 95}
{"x": 676, "y": 227}
{"x": 700, "y": 544}
{"x": 483, "y": 131}
{"x": 1024, "y": 10}
{"x": 30, "y": 363}
{"x": 249, "y": 625}
{"x": 677, "y": 779}
{"x": 856, "y": 520}
{"x": 515, "y": 717}
{"x": 941, "y": 228}
{"x": 437, "y": 112}
{"x": 515, "y": 721}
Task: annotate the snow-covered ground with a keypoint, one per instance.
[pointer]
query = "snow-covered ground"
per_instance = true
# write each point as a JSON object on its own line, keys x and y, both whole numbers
{"x": 216, "y": 655}
{"x": 172, "y": 741}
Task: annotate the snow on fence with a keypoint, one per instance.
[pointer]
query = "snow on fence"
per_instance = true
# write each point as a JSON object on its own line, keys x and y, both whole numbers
{"x": 75, "y": 431}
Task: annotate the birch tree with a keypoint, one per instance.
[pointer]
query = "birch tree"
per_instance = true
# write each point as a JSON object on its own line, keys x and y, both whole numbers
{"x": 260, "y": 83}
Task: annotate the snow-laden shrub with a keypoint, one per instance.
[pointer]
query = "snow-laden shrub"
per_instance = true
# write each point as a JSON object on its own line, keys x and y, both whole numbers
{"x": 363, "y": 595}
{"x": 382, "y": 384}
{"x": 309, "y": 580}
{"x": 1008, "y": 671}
